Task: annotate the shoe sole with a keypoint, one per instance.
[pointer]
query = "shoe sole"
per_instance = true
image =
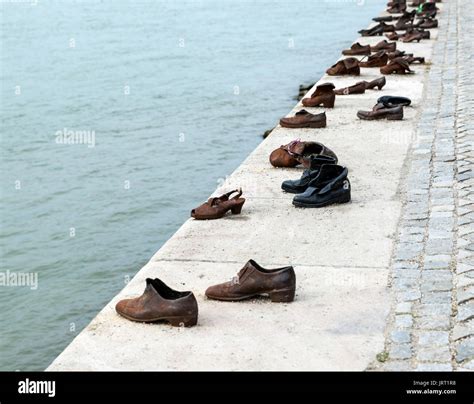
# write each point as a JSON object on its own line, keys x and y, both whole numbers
{"x": 321, "y": 205}
{"x": 178, "y": 321}
{"x": 276, "y": 296}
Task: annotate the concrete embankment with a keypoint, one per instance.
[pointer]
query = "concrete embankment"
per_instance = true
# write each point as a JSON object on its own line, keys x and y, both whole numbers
{"x": 341, "y": 256}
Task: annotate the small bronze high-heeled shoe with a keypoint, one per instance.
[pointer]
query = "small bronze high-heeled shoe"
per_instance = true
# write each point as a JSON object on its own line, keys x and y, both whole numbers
{"x": 380, "y": 83}
{"x": 215, "y": 208}
{"x": 358, "y": 88}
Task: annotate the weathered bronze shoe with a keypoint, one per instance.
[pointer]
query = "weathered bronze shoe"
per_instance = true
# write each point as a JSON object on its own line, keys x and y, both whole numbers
{"x": 357, "y": 49}
{"x": 380, "y": 83}
{"x": 349, "y": 66}
{"x": 253, "y": 280}
{"x": 414, "y": 59}
{"x": 304, "y": 119}
{"x": 378, "y": 29}
{"x": 323, "y": 95}
{"x": 378, "y": 59}
{"x": 380, "y": 111}
{"x": 396, "y": 66}
{"x": 215, "y": 208}
{"x": 298, "y": 152}
{"x": 358, "y": 88}
{"x": 392, "y": 36}
{"x": 384, "y": 45}
{"x": 397, "y": 54}
{"x": 428, "y": 23}
{"x": 160, "y": 302}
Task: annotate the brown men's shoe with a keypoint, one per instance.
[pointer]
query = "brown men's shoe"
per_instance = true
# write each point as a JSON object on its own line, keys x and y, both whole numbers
{"x": 428, "y": 23}
{"x": 414, "y": 59}
{"x": 324, "y": 94}
{"x": 253, "y": 280}
{"x": 160, "y": 302}
{"x": 304, "y": 119}
{"x": 379, "y": 59}
{"x": 397, "y": 54}
{"x": 397, "y": 66}
{"x": 346, "y": 66}
{"x": 392, "y": 36}
{"x": 384, "y": 45}
{"x": 358, "y": 88}
{"x": 380, "y": 111}
{"x": 380, "y": 83}
{"x": 297, "y": 152}
{"x": 215, "y": 208}
{"x": 357, "y": 49}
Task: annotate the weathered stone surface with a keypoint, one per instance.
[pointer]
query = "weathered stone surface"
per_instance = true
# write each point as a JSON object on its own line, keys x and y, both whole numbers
{"x": 465, "y": 349}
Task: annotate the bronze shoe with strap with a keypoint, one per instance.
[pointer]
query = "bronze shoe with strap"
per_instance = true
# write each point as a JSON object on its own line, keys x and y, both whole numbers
{"x": 378, "y": 59}
{"x": 217, "y": 207}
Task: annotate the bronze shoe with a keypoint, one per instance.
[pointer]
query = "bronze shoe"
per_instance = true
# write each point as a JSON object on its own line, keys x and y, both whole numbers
{"x": 215, "y": 208}
{"x": 379, "y": 59}
{"x": 384, "y": 45}
{"x": 357, "y": 49}
{"x": 347, "y": 66}
{"x": 397, "y": 66}
{"x": 160, "y": 302}
{"x": 358, "y": 88}
{"x": 297, "y": 152}
{"x": 253, "y": 280}
{"x": 324, "y": 94}
{"x": 304, "y": 119}
{"x": 380, "y": 111}
{"x": 380, "y": 83}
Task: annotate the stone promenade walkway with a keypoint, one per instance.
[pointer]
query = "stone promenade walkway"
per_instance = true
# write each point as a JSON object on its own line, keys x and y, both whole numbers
{"x": 431, "y": 326}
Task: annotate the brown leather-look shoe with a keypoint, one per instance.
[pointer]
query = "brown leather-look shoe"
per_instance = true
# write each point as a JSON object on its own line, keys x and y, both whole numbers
{"x": 397, "y": 66}
{"x": 253, "y": 280}
{"x": 380, "y": 111}
{"x": 324, "y": 94}
{"x": 160, "y": 302}
{"x": 297, "y": 152}
{"x": 347, "y": 66}
{"x": 358, "y": 88}
{"x": 304, "y": 119}
{"x": 397, "y": 54}
{"x": 357, "y": 49}
{"x": 384, "y": 45}
{"x": 378, "y": 59}
{"x": 215, "y": 208}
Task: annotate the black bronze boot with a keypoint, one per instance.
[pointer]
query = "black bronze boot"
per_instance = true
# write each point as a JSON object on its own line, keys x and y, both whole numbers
{"x": 330, "y": 186}
{"x": 300, "y": 185}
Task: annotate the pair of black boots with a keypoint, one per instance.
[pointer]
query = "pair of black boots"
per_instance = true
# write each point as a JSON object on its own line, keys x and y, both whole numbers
{"x": 323, "y": 183}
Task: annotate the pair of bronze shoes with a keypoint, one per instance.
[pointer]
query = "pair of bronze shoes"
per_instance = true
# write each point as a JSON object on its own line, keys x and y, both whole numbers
{"x": 217, "y": 207}
{"x": 159, "y": 302}
{"x": 361, "y": 86}
{"x": 366, "y": 50}
{"x": 298, "y": 152}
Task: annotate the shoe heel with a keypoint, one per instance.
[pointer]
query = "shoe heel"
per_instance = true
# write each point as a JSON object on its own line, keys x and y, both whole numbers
{"x": 188, "y": 321}
{"x": 237, "y": 208}
{"x": 329, "y": 103}
{"x": 282, "y": 296}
